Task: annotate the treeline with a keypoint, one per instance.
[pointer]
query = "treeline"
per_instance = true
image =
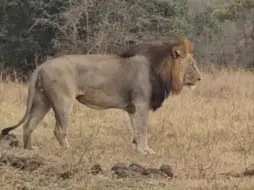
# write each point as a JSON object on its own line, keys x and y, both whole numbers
{"x": 33, "y": 30}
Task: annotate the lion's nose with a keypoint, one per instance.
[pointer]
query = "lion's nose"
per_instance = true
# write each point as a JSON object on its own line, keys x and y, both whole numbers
{"x": 199, "y": 78}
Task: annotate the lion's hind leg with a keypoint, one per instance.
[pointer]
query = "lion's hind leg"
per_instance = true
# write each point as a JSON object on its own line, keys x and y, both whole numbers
{"x": 39, "y": 109}
{"x": 62, "y": 108}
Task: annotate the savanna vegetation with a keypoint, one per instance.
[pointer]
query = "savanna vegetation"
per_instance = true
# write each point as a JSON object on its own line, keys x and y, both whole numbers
{"x": 206, "y": 135}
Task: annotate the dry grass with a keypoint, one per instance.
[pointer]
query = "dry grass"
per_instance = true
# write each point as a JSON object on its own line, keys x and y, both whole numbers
{"x": 202, "y": 134}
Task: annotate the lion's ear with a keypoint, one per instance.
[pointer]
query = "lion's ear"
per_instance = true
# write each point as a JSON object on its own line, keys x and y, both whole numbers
{"x": 178, "y": 51}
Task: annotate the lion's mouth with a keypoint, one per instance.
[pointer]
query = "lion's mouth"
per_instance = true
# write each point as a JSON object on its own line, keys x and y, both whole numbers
{"x": 191, "y": 86}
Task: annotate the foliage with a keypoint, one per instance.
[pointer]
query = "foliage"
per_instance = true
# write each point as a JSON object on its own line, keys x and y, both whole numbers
{"x": 25, "y": 30}
{"x": 235, "y": 10}
{"x": 31, "y": 30}
{"x": 204, "y": 22}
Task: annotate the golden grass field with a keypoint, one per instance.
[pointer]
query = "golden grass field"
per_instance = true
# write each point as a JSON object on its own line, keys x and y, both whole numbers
{"x": 206, "y": 135}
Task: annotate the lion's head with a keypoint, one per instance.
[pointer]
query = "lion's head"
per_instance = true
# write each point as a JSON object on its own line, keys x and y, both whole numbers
{"x": 172, "y": 67}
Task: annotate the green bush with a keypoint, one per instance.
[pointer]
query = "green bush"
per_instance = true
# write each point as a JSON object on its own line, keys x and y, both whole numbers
{"x": 31, "y": 30}
{"x": 26, "y": 31}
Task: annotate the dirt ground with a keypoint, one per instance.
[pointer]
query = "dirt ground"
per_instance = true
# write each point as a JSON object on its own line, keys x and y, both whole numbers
{"x": 203, "y": 139}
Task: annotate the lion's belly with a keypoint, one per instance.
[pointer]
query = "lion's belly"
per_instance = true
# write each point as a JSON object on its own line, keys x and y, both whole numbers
{"x": 99, "y": 99}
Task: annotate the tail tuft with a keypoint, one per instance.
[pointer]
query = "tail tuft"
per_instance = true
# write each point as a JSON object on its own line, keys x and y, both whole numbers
{"x": 6, "y": 131}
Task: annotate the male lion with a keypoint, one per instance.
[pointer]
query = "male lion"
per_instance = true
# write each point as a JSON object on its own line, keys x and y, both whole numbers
{"x": 137, "y": 80}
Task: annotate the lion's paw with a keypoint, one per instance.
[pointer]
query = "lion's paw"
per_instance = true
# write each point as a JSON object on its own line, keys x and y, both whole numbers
{"x": 145, "y": 151}
{"x": 31, "y": 148}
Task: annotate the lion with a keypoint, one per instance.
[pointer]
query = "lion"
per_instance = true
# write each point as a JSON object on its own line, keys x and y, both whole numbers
{"x": 136, "y": 81}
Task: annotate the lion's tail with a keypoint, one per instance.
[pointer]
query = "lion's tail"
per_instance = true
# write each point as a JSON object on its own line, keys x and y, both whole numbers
{"x": 30, "y": 98}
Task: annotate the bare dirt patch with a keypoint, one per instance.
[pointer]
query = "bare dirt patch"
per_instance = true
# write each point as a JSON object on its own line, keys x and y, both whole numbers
{"x": 134, "y": 170}
{"x": 123, "y": 170}
{"x": 9, "y": 140}
{"x": 249, "y": 172}
{"x": 22, "y": 163}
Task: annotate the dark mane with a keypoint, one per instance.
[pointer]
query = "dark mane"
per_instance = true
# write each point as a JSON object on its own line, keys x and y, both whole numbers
{"x": 157, "y": 52}
{"x": 160, "y": 90}
{"x": 160, "y": 79}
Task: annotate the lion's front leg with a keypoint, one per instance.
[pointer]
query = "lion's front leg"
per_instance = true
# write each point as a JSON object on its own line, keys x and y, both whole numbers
{"x": 139, "y": 122}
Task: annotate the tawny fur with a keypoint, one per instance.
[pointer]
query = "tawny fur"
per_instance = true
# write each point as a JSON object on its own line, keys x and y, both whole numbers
{"x": 137, "y": 80}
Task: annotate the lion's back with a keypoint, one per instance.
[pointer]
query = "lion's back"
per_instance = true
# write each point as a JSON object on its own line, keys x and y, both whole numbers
{"x": 98, "y": 70}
